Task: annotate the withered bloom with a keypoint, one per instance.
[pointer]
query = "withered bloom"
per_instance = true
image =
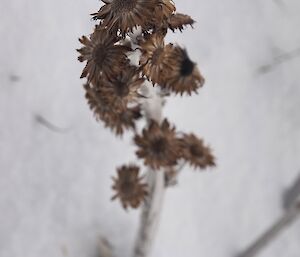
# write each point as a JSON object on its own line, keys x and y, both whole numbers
{"x": 182, "y": 75}
{"x": 152, "y": 59}
{"x": 195, "y": 152}
{"x": 129, "y": 187}
{"x": 158, "y": 145}
{"x": 103, "y": 56}
{"x": 179, "y": 20}
{"x": 117, "y": 118}
{"x": 97, "y": 103}
{"x": 125, "y": 14}
{"x": 162, "y": 12}
{"x": 123, "y": 119}
{"x": 123, "y": 88}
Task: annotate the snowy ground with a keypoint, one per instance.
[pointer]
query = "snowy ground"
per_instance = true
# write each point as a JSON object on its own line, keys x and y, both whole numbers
{"x": 55, "y": 187}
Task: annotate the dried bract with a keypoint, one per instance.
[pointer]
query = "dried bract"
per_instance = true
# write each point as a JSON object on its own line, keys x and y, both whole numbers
{"x": 181, "y": 75}
{"x": 158, "y": 145}
{"x": 179, "y": 21}
{"x": 195, "y": 152}
{"x": 129, "y": 187}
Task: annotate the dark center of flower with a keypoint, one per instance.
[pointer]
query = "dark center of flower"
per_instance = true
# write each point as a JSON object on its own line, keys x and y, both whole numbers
{"x": 127, "y": 188}
{"x": 156, "y": 55}
{"x": 187, "y": 66}
{"x": 121, "y": 89}
{"x": 196, "y": 151}
{"x": 99, "y": 55}
{"x": 159, "y": 146}
{"x": 121, "y": 6}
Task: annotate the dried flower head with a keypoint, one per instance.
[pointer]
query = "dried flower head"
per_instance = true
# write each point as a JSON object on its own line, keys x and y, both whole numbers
{"x": 162, "y": 12}
{"x": 117, "y": 118}
{"x": 182, "y": 75}
{"x": 123, "y": 119}
{"x": 152, "y": 60}
{"x": 125, "y": 14}
{"x": 158, "y": 145}
{"x": 123, "y": 88}
{"x": 179, "y": 21}
{"x": 128, "y": 186}
{"x": 97, "y": 103}
{"x": 195, "y": 152}
{"x": 103, "y": 56}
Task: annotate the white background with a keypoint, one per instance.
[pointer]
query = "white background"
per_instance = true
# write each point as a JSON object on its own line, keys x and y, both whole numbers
{"x": 55, "y": 187}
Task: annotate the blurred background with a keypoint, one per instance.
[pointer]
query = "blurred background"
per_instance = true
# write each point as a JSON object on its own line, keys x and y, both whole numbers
{"x": 56, "y": 161}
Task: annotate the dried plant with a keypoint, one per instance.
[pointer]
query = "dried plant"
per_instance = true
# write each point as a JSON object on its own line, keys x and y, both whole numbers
{"x": 130, "y": 70}
{"x": 128, "y": 186}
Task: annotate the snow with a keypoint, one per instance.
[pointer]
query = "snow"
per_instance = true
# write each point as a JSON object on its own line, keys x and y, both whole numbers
{"x": 55, "y": 186}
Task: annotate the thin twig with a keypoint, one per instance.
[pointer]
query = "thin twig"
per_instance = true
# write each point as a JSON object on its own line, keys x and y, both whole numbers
{"x": 292, "y": 195}
{"x": 287, "y": 219}
{"x": 279, "y": 60}
{"x": 43, "y": 121}
{"x": 105, "y": 248}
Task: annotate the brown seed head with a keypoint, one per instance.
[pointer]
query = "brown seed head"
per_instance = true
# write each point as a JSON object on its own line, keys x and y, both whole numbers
{"x": 158, "y": 145}
{"x": 128, "y": 186}
{"x": 97, "y": 103}
{"x": 122, "y": 120}
{"x": 195, "y": 152}
{"x": 181, "y": 75}
{"x": 104, "y": 58}
{"x": 123, "y": 88}
{"x": 116, "y": 117}
{"x": 126, "y": 14}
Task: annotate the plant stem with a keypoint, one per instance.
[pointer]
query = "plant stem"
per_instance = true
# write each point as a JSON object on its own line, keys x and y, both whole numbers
{"x": 150, "y": 213}
{"x": 156, "y": 183}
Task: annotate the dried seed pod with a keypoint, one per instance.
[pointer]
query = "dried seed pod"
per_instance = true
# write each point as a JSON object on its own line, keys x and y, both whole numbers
{"x": 158, "y": 145}
{"x": 104, "y": 58}
{"x": 125, "y": 15}
{"x": 181, "y": 75}
{"x": 129, "y": 187}
{"x": 195, "y": 152}
{"x": 116, "y": 117}
{"x": 122, "y": 120}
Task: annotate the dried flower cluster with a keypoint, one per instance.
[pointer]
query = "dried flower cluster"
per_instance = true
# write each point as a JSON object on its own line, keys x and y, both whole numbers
{"x": 113, "y": 87}
{"x": 160, "y": 146}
